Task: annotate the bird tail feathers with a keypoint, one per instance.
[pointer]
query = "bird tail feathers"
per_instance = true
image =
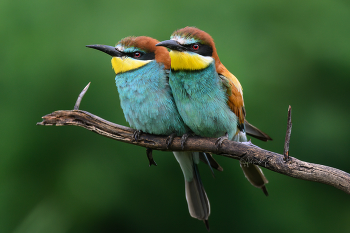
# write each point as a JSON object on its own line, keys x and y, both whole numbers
{"x": 197, "y": 200}
{"x": 253, "y": 131}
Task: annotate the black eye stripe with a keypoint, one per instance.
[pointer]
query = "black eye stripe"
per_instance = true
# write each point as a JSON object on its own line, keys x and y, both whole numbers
{"x": 133, "y": 53}
{"x": 203, "y": 49}
{"x": 143, "y": 55}
{"x": 188, "y": 46}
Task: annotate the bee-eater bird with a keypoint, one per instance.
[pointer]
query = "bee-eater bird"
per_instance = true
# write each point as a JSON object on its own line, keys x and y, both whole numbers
{"x": 142, "y": 79}
{"x": 209, "y": 98}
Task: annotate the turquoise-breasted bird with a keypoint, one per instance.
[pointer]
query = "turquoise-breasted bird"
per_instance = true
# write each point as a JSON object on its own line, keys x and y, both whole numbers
{"x": 209, "y": 98}
{"x": 148, "y": 106}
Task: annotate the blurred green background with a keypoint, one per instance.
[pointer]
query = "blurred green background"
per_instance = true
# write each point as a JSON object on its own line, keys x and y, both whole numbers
{"x": 70, "y": 180}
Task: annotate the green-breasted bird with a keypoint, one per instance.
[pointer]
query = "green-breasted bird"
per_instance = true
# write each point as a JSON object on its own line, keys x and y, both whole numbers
{"x": 209, "y": 98}
{"x": 148, "y": 106}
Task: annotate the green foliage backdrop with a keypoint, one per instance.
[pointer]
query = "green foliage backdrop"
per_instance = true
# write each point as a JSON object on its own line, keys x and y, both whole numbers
{"x": 69, "y": 180}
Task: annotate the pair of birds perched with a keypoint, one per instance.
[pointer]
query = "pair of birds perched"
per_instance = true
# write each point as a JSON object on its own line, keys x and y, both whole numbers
{"x": 185, "y": 91}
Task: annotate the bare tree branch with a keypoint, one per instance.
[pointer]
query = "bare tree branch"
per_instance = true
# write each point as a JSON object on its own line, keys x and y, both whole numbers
{"x": 80, "y": 97}
{"x": 288, "y": 133}
{"x": 245, "y": 152}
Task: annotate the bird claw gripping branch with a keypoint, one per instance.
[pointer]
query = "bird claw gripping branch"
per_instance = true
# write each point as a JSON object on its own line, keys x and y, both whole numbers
{"x": 220, "y": 140}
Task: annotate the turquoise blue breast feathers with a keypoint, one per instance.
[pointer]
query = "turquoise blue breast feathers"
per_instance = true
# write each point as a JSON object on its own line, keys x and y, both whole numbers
{"x": 202, "y": 92}
{"x": 146, "y": 100}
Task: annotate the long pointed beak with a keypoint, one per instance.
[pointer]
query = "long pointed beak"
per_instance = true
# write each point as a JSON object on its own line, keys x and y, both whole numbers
{"x": 172, "y": 44}
{"x": 107, "y": 49}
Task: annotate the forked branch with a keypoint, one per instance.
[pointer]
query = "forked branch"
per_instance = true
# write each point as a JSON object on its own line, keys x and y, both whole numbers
{"x": 245, "y": 152}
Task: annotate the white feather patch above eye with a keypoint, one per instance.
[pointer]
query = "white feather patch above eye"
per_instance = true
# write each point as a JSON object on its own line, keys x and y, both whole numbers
{"x": 189, "y": 61}
{"x": 184, "y": 41}
{"x": 119, "y": 47}
{"x": 124, "y": 64}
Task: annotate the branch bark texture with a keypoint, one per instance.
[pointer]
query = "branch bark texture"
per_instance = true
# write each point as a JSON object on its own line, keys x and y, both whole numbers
{"x": 245, "y": 152}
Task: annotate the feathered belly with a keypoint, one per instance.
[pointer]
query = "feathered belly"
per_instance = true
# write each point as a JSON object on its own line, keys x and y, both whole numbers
{"x": 208, "y": 118}
{"x": 155, "y": 114}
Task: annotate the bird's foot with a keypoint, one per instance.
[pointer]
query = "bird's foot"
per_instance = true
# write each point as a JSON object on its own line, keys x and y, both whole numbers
{"x": 184, "y": 139}
{"x": 220, "y": 140}
{"x": 249, "y": 143}
{"x": 150, "y": 157}
{"x": 136, "y": 135}
{"x": 170, "y": 140}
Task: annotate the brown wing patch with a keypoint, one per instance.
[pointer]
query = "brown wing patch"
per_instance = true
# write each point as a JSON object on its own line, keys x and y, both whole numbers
{"x": 235, "y": 100}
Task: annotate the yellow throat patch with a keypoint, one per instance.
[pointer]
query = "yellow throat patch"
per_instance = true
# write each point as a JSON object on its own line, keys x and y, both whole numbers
{"x": 124, "y": 64}
{"x": 188, "y": 61}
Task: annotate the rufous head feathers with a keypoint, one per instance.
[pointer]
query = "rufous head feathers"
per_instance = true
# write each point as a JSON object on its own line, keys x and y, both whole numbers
{"x": 147, "y": 44}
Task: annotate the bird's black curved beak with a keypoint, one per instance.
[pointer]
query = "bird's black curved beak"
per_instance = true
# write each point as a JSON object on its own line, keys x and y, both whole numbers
{"x": 107, "y": 49}
{"x": 172, "y": 44}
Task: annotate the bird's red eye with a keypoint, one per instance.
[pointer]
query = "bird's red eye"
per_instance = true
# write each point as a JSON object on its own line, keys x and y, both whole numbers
{"x": 137, "y": 54}
{"x": 195, "y": 46}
